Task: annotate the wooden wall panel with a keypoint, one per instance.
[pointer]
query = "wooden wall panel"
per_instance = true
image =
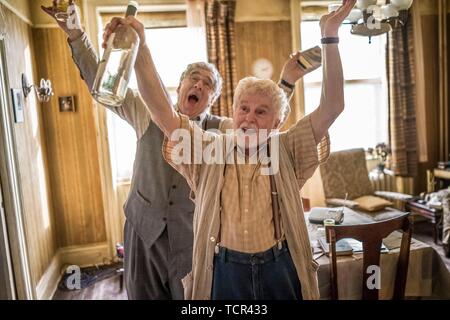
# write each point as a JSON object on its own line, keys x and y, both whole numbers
{"x": 448, "y": 75}
{"x": 122, "y": 194}
{"x": 31, "y": 151}
{"x": 72, "y": 146}
{"x": 270, "y": 40}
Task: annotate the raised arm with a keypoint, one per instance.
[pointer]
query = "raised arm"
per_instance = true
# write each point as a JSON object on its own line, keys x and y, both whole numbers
{"x": 133, "y": 109}
{"x": 154, "y": 94}
{"x": 150, "y": 85}
{"x": 332, "y": 99}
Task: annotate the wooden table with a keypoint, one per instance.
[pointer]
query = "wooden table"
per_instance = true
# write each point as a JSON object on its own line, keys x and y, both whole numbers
{"x": 427, "y": 274}
{"x": 432, "y": 214}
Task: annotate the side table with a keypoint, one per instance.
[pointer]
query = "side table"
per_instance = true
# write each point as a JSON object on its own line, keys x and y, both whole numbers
{"x": 432, "y": 214}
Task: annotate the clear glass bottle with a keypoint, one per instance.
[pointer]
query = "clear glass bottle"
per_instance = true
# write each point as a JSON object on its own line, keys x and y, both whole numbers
{"x": 115, "y": 68}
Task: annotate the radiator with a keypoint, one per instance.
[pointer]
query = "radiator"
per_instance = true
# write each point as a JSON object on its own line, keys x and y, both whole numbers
{"x": 382, "y": 180}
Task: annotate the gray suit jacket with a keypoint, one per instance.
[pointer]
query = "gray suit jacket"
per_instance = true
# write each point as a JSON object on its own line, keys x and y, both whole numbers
{"x": 159, "y": 196}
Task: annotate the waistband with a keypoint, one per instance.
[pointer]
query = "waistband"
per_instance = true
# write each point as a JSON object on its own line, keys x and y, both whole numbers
{"x": 272, "y": 254}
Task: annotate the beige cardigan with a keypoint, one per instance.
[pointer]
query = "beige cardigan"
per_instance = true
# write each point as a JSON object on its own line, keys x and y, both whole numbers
{"x": 206, "y": 195}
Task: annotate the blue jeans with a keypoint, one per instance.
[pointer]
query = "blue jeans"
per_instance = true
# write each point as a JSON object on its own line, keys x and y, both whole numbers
{"x": 269, "y": 275}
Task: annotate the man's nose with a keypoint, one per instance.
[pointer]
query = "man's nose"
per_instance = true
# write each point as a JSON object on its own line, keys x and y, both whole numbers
{"x": 199, "y": 84}
{"x": 250, "y": 117}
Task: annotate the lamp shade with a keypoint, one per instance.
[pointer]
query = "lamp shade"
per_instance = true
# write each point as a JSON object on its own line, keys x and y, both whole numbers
{"x": 389, "y": 11}
{"x": 364, "y": 4}
{"x": 354, "y": 15}
{"x": 402, "y": 4}
{"x": 333, "y": 7}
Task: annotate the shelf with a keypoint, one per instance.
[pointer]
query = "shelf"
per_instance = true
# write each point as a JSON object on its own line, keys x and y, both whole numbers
{"x": 442, "y": 174}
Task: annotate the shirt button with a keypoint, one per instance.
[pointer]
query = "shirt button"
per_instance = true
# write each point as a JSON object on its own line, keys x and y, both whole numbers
{"x": 246, "y": 186}
{"x": 245, "y": 232}
{"x": 212, "y": 239}
{"x": 246, "y": 210}
{"x": 170, "y": 203}
{"x": 174, "y": 187}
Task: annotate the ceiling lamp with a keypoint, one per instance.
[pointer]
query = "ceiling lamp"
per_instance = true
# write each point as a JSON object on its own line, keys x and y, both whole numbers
{"x": 369, "y": 19}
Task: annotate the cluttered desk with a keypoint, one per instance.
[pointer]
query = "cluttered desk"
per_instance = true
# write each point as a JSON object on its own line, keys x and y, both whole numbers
{"x": 427, "y": 274}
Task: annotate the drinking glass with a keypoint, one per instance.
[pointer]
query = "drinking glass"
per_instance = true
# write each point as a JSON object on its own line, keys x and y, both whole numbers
{"x": 61, "y": 9}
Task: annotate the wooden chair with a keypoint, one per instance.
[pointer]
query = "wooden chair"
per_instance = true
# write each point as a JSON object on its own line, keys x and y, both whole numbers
{"x": 371, "y": 235}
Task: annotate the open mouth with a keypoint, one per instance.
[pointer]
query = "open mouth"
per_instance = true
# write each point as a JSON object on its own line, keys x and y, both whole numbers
{"x": 248, "y": 130}
{"x": 193, "y": 98}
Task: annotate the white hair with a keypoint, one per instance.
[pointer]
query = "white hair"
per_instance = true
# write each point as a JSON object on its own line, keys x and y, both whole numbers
{"x": 252, "y": 85}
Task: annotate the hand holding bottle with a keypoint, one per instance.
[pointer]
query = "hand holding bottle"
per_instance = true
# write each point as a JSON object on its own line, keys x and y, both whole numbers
{"x": 121, "y": 41}
{"x": 112, "y": 26}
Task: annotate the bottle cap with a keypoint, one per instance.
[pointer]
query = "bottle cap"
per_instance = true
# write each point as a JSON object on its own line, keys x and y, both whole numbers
{"x": 328, "y": 222}
{"x": 132, "y": 8}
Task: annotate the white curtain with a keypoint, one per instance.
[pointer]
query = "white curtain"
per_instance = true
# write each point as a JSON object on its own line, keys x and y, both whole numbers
{"x": 195, "y": 16}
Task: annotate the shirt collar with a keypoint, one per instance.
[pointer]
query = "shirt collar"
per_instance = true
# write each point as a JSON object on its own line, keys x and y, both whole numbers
{"x": 198, "y": 119}
{"x": 259, "y": 155}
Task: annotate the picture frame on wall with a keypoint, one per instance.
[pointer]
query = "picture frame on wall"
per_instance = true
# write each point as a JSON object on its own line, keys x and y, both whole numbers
{"x": 67, "y": 104}
{"x": 18, "y": 105}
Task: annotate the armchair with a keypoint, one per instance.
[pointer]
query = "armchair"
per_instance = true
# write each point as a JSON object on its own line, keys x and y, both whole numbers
{"x": 346, "y": 172}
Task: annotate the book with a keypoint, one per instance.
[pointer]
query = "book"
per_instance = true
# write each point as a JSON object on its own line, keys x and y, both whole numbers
{"x": 311, "y": 59}
{"x": 346, "y": 247}
{"x": 318, "y": 214}
{"x": 343, "y": 248}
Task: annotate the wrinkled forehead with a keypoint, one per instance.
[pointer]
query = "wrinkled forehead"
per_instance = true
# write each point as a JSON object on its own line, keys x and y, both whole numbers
{"x": 203, "y": 73}
{"x": 256, "y": 98}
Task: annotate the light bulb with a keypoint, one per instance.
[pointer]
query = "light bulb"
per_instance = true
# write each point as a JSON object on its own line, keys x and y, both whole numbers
{"x": 364, "y": 4}
{"x": 402, "y": 4}
{"x": 389, "y": 11}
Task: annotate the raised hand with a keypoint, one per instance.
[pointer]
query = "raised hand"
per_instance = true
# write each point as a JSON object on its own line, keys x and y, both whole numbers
{"x": 116, "y": 22}
{"x": 330, "y": 23}
{"x": 53, "y": 10}
{"x": 291, "y": 70}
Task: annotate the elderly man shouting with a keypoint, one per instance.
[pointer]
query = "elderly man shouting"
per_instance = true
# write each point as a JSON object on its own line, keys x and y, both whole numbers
{"x": 247, "y": 244}
{"x": 158, "y": 230}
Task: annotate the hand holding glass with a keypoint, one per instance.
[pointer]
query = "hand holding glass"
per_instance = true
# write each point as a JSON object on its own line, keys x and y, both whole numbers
{"x": 61, "y": 8}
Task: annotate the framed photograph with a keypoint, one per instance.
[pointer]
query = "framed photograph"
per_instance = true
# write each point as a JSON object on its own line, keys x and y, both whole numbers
{"x": 67, "y": 104}
{"x": 18, "y": 105}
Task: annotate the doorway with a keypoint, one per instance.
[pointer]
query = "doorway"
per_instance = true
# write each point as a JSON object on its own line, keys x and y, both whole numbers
{"x": 15, "y": 277}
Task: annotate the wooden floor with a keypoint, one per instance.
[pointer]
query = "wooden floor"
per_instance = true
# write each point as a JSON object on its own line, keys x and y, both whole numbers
{"x": 109, "y": 289}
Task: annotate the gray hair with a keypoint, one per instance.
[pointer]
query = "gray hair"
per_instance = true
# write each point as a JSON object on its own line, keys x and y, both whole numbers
{"x": 252, "y": 85}
{"x": 208, "y": 67}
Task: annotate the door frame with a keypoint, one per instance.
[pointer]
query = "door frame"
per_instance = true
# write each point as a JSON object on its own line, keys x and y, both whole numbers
{"x": 6, "y": 272}
{"x": 21, "y": 279}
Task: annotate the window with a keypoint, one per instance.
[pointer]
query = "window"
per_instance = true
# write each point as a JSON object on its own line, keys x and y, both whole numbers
{"x": 172, "y": 50}
{"x": 364, "y": 123}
